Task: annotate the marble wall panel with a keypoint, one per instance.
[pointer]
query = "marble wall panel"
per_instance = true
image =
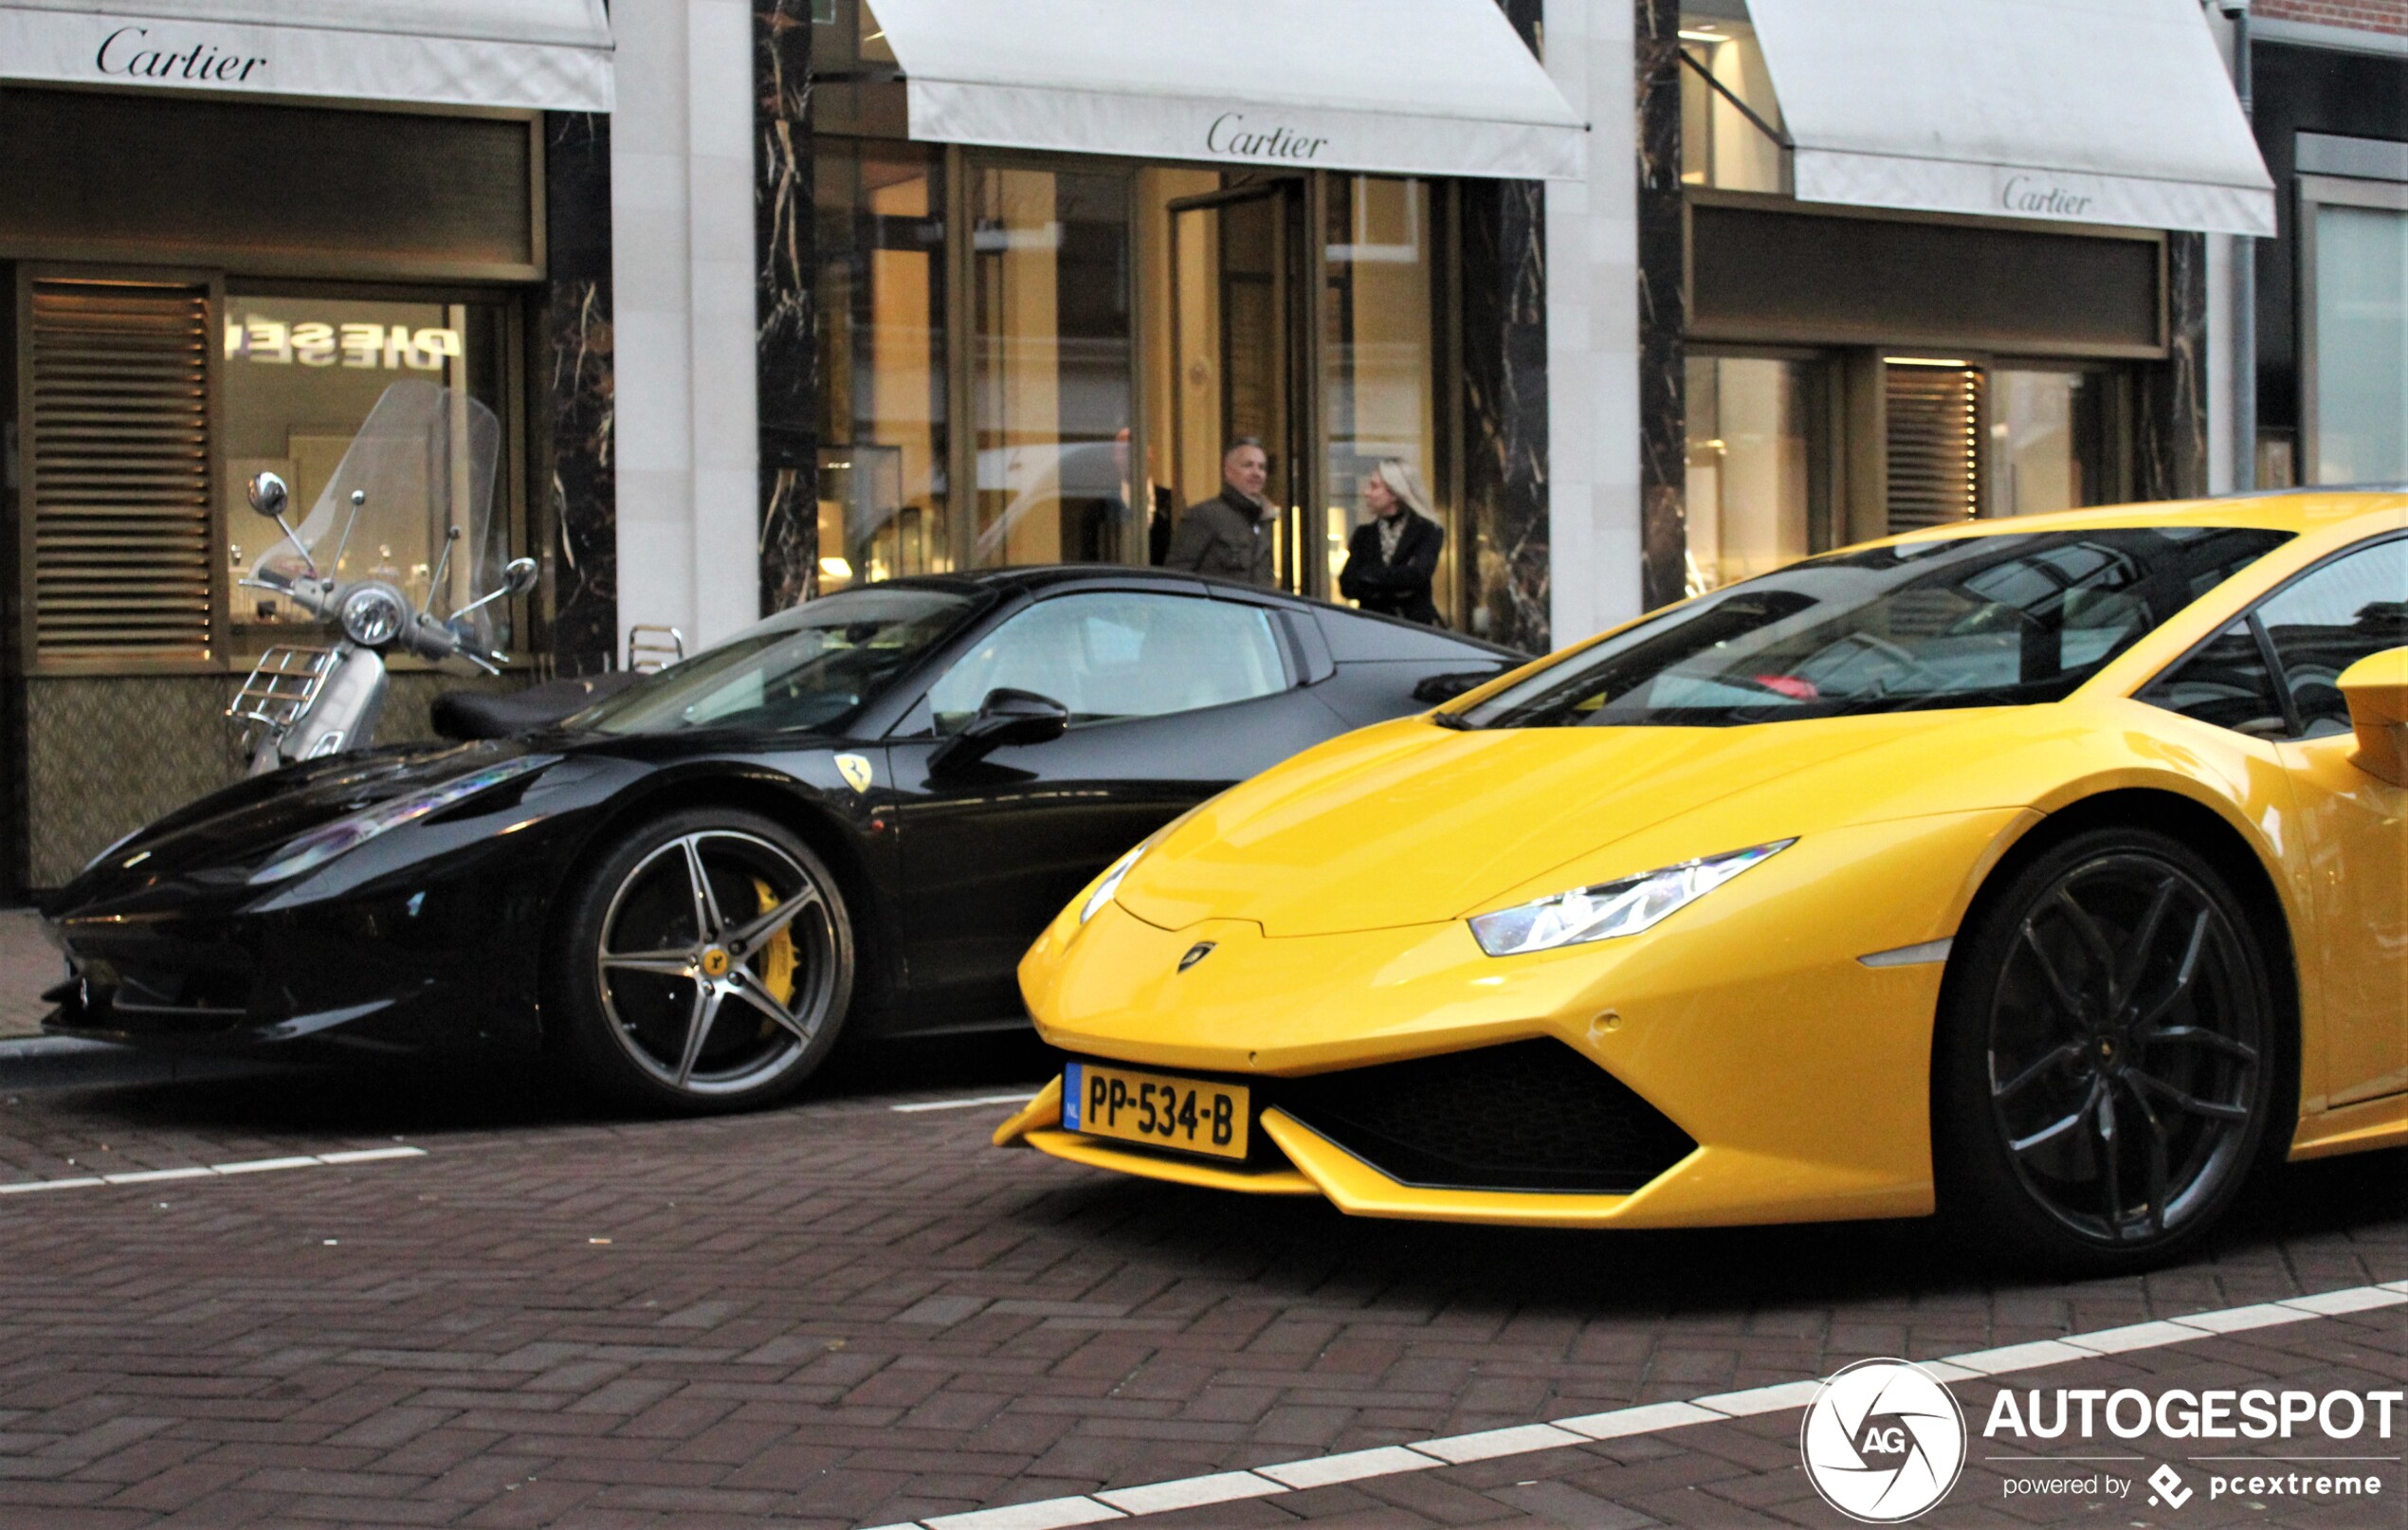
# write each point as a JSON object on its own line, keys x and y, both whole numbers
{"x": 1504, "y": 399}
{"x": 2170, "y": 425}
{"x": 579, "y": 494}
{"x": 784, "y": 341}
{"x": 1663, "y": 305}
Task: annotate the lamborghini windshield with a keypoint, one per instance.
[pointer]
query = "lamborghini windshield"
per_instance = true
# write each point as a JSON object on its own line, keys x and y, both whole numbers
{"x": 1997, "y": 620}
{"x": 803, "y": 668}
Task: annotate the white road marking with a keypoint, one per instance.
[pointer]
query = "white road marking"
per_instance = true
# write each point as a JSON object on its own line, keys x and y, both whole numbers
{"x": 1190, "y": 1493}
{"x": 1621, "y": 1423}
{"x": 209, "y": 1171}
{"x": 964, "y": 1104}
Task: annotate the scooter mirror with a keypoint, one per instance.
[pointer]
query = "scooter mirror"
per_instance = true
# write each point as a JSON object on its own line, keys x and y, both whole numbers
{"x": 269, "y": 495}
{"x": 519, "y": 575}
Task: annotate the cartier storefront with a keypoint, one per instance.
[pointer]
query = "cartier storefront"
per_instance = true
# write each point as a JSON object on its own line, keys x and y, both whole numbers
{"x": 222, "y": 239}
{"x": 1056, "y": 282}
{"x": 1926, "y": 265}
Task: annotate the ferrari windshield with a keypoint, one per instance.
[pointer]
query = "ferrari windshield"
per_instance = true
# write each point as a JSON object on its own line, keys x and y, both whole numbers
{"x": 1998, "y": 620}
{"x": 803, "y": 668}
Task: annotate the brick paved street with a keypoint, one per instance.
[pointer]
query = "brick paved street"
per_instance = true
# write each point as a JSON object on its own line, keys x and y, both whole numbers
{"x": 844, "y": 1315}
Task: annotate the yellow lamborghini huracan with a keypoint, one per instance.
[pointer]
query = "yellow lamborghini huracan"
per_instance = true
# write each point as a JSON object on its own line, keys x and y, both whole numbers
{"x": 2051, "y": 871}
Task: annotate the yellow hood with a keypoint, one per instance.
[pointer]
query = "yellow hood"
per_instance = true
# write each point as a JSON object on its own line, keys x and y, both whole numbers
{"x": 1407, "y": 822}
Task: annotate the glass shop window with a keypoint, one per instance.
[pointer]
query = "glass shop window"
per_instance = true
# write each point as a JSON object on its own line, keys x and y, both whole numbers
{"x": 884, "y": 508}
{"x": 2361, "y": 341}
{"x": 1052, "y": 366}
{"x": 2054, "y": 438}
{"x": 301, "y": 375}
{"x": 1757, "y": 483}
{"x": 1730, "y": 124}
{"x": 1380, "y": 354}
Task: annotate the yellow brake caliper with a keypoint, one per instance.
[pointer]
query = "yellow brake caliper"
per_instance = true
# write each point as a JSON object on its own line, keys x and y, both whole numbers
{"x": 777, "y": 957}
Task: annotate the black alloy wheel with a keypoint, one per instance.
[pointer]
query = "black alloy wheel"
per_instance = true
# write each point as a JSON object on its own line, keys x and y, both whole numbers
{"x": 704, "y": 965}
{"x": 2107, "y": 1069}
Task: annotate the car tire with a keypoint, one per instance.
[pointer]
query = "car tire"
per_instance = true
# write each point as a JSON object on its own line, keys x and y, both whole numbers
{"x": 703, "y": 964}
{"x": 2108, "y": 1066}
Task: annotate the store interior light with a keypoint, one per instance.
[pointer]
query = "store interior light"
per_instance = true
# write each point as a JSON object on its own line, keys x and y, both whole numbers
{"x": 1926, "y": 361}
{"x": 1702, "y": 34}
{"x": 835, "y": 567}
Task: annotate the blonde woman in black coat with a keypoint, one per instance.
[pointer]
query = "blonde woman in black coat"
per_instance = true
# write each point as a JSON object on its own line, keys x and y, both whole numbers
{"x": 1392, "y": 557}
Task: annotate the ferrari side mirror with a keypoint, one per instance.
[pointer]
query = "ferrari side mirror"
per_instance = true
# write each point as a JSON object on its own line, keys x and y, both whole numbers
{"x": 2376, "y": 688}
{"x": 1006, "y": 718}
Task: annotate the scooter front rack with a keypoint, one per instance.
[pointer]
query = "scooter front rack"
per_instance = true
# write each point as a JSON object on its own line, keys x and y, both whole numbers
{"x": 283, "y": 685}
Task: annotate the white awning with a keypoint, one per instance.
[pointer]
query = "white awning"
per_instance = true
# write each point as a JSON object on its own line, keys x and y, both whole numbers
{"x": 2080, "y": 111}
{"x": 553, "y": 55}
{"x": 1426, "y": 87}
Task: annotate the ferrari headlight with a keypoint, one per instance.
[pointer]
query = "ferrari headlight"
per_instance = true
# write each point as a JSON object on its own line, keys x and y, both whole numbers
{"x": 116, "y": 844}
{"x": 328, "y": 841}
{"x": 1111, "y": 882}
{"x": 1611, "y": 908}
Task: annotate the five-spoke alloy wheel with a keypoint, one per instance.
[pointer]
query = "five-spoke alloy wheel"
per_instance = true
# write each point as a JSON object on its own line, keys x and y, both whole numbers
{"x": 705, "y": 964}
{"x": 2106, "y": 1067}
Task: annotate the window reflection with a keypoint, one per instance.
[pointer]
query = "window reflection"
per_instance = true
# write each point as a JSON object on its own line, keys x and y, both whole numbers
{"x": 1049, "y": 352}
{"x": 2361, "y": 344}
{"x": 301, "y": 375}
{"x": 2050, "y": 435}
{"x": 1378, "y": 361}
{"x": 1722, "y": 81}
{"x": 1754, "y": 488}
{"x": 883, "y": 500}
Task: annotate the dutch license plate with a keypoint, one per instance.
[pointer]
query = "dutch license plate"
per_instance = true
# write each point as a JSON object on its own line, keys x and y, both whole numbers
{"x": 1129, "y": 1106}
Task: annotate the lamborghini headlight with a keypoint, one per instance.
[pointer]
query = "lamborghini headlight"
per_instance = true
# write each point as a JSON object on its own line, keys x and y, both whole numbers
{"x": 328, "y": 841}
{"x": 1111, "y": 882}
{"x": 1118, "y": 870}
{"x": 1611, "y": 908}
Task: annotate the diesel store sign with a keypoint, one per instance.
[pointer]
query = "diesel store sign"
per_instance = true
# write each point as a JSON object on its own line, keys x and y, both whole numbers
{"x": 548, "y": 67}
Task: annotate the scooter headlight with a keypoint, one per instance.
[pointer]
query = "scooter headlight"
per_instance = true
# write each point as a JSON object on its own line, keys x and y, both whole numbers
{"x": 372, "y": 614}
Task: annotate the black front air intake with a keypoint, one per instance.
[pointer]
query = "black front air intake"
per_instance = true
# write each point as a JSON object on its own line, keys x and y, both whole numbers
{"x": 1533, "y": 1115}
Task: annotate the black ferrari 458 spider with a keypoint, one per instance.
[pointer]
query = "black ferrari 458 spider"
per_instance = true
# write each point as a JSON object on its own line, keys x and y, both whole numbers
{"x": 854, "y": 816}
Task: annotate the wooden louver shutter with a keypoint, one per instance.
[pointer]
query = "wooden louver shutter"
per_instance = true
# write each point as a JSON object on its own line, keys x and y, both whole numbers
{"x": 1935, "y": 445}
{"x": 119, "y": 480}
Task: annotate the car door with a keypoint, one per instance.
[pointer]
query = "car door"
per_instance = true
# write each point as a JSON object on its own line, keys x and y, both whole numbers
{"x": 1172, "y": 698}
{"x": 2320, "y": 624}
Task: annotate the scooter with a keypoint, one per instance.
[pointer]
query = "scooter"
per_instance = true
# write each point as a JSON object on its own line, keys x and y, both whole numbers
{"x": 421, "y": 467}
{"x": 307, "y": 703}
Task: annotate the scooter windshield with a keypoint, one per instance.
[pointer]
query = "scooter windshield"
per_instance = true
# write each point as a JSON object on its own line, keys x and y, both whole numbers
{"x": 424, "y": 460}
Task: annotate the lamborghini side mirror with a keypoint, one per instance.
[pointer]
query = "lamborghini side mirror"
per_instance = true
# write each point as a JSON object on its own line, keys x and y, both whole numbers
{"x": 2376, "y": 688}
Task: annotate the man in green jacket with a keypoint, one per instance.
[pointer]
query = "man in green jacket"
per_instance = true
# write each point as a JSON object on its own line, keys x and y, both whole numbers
{"x": 1229, "y": 535}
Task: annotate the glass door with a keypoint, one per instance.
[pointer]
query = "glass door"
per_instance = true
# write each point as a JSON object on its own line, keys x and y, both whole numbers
{"x": 1237, "y": 364}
